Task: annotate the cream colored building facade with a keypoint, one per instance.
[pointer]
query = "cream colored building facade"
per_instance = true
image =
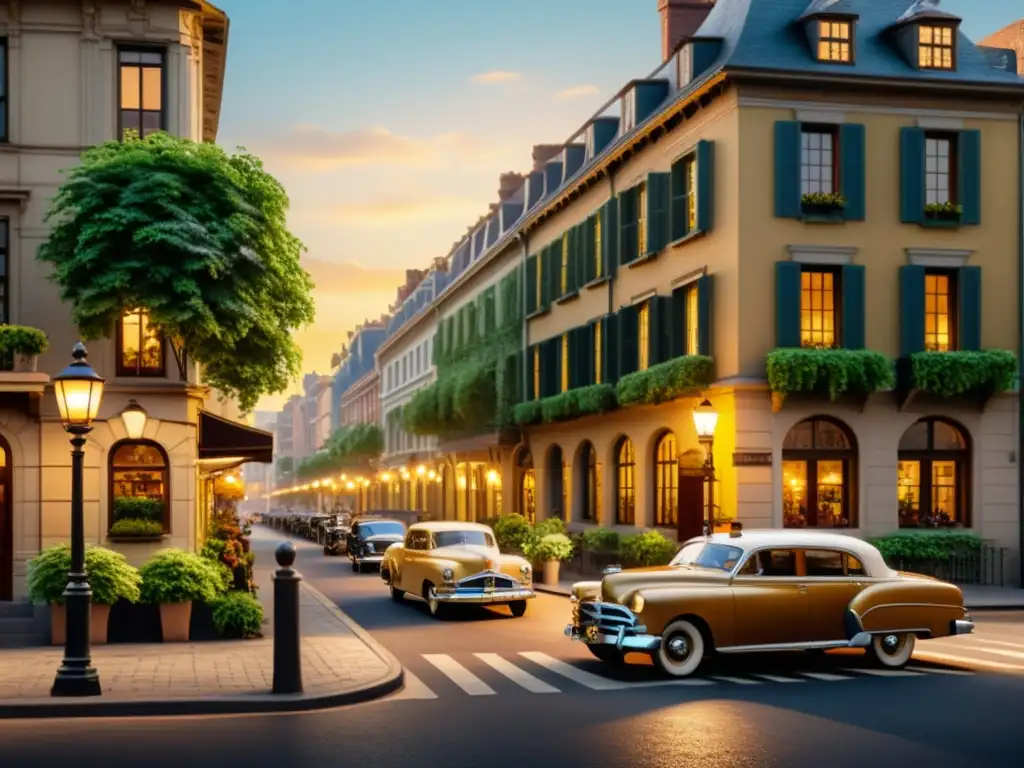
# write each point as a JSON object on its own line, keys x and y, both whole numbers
{"x": 78, "y": 73}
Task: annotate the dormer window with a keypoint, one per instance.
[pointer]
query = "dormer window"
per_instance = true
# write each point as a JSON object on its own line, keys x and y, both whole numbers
{"x": 628, "y": 110}
{"x": 835, "y": 40}
{"x": 935, "y": 47}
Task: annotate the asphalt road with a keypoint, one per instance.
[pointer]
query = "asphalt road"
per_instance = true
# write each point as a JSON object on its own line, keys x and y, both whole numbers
{"x": 533, "y": 697}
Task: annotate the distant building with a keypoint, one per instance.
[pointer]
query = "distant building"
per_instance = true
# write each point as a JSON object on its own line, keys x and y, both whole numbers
{"x": 1010, "y": 37}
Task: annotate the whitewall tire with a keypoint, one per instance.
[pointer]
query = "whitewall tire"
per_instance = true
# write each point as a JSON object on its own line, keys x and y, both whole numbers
{"x": 681, "y": 651}
{"x": 892, "y": 649}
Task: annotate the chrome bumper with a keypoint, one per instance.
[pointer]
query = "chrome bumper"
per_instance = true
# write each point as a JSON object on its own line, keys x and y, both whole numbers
{"x": 962, "y": 627}
{"x": 368, "y": 558}
{"x": 483, "y": 597}
{"x": 597, "y": 623}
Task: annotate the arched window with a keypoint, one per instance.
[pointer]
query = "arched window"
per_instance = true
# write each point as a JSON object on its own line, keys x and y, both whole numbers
{"x": 625, "y": 471}
{"x": 934, "y": 466}
{"x": 666, "y": 482}
{"x": 556, "y": 478}
{"x": 590, "y": 482}
{"x": 527, "y": 487}
{"x": 819, "y": 464}
{"x": 140, "y": 483}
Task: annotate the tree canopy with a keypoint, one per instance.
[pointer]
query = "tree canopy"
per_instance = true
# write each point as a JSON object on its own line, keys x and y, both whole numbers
{"x": 349, "y": 447}
{"x": 198, "y": 239}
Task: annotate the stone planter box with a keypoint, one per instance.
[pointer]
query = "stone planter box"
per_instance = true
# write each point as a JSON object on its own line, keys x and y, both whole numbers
{"x": 99, "y": 622}
{"x": 26, "y": 363}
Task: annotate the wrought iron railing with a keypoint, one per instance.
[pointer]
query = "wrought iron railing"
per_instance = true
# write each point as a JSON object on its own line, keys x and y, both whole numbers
{"x": 987, "y": 567}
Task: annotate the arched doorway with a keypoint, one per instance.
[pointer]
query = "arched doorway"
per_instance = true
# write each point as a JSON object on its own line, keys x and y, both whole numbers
{"x": 625, "y": 487}
{"x": 819, "y": 469}
{"x": 6, "y": 525}
{"x": 934, "y": 467}
{"x": 588, "y": 479}
{"x": 556, "y": 482}
{"x": 527, "y": 484}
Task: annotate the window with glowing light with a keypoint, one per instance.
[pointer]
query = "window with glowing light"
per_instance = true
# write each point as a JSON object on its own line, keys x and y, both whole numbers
{"x": 565, "y": 362}
{"x": 141, "y": 91}
{"x": 834, "y": 42}
{"x": 598, "y": 352}
{"x": 692, "y": 328}
{"x": 536, "y": 373}
{"x": 644, "y": 336}
{"x": 932, "y": 475}
{"x": 598, "y": 264}
{"x": 935, "y": 47}
{"x": 819, "y": 309}
{"x": 591, "y": 490}
{"x": 666, "y": 481}
{"x": 140, "y": 347}
{"x": 625, "y": 473}
{"x": 819, "y": 464}
{"x": 139, "y": 470}
{"x": 641, "y": 220}
{"x": 565, "y": 264}
{"x": 527, "y": 486}
{"x": 939, "y": 311}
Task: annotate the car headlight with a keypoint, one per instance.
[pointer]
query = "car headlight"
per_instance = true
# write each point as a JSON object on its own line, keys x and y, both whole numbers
{"x": 636, "y": 604}
{"x": 448, "y": 574}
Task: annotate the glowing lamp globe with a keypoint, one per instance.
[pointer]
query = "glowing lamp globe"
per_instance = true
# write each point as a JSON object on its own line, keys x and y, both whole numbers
{"x": 705, "y": 418}
{"x": 134, "y": 419}
{"x": 79, "y": 391}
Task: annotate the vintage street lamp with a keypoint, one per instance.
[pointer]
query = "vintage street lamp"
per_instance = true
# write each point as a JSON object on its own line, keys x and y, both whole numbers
{"x": 705, "y": 419}
{"x": 134, "y": 418}
{"x": 79, "y": 391}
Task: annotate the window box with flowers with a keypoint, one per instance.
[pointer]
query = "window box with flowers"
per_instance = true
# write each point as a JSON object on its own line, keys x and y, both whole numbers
{"x": 822, "y": 372}
{"x": 973, "y": 377}
{"x": 825, "y": 206}
{"x": 942, "y": 214}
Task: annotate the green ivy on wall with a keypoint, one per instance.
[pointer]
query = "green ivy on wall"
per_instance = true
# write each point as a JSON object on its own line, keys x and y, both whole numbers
{"x": 679, "y": 377}
{"x": 347, "y": 447}
{"x": 572, "y": 404}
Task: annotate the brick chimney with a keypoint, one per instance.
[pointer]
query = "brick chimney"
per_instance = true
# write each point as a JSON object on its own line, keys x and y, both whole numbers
{"x": 508, "y": 184}
{"x": 544, "y": 152}
{"x": 680, "y": 20}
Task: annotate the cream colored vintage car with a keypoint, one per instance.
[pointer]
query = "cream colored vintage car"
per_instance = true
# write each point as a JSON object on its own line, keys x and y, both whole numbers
{"x": 453, "y": 563}
{"x": 764, "y": 590}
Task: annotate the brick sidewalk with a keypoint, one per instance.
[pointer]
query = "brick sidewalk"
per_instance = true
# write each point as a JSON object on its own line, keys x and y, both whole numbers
{"x": 341, "y": 664}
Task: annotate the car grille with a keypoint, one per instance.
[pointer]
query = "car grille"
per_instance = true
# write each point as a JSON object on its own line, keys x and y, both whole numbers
{"x": 481, "y": 582}
{"x": 377, "y": 547}
{"x": 609, "y": 618}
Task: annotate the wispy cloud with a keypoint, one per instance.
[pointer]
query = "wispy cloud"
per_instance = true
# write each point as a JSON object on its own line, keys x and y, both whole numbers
{"x": 375, "y": 213}
{"x": 497, "y": 76}
{"x": 577, "y": 92}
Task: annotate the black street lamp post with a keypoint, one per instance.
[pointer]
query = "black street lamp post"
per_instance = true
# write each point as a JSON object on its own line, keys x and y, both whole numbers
{"x": 79, "y": 391}
{"x": 704, "y": 420}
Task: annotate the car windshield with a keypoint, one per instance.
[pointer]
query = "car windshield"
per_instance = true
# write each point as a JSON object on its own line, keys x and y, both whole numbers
{"x": 381, "y": 529}
{"x": 719, "y": 557}
{"x": 461, "y": 538}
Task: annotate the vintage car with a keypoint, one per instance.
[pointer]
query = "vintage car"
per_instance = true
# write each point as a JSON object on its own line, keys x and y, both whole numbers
{"x": 369, "y": 538}
{"x": 336, "y": 534}
{"x": 764, "y": 590}
{"x": 455, "y": 563}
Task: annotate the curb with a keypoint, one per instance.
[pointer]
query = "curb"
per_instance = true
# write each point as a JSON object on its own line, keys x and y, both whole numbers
{"x": 262, "y": 703}
{"x": 548, "y": 590}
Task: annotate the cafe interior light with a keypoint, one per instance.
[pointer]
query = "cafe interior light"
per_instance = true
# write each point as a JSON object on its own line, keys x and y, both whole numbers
{"x": 134, "y": 418}
{"x": 493, "y": 477}
{"x": 350, "y": 485}
{"x": 385, "y": 477}
{"x": 421, "y": 470}
{"x": 79, "y": 391}
{"x": 705, "y": 418}
{"x": 431, "y": 475}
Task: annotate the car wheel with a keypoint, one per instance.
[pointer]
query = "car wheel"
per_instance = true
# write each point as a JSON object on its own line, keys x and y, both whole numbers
{"x": 892, "y": 650}
{"x": 681, "y": 651}
{"x": 437, "y": 608}
{"x": 518, "y": 607}
{"x": 607, "y": 654}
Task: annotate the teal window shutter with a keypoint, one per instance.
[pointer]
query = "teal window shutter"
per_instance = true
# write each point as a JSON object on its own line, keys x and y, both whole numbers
{"x": 582, "y": 233}
{"x": 911, "y": 310}
{"x": 705, "y": 185}
{"x": 787, "y": 170}
{"x": 911, "y": 175}
{"x": 532, "y": 299}
{"x": 704, "y": 296}
{"x": 587, "y": 353}
{"x": 589, "y": 261}
{"x": 553, "y": 366}
{"x": 531, "y": 393}
{"x": 969, "y": 308}
{"x": 969, "y": 177}
{"x": 628, "y": 239}
{"x": 655, "y": 320}
{"x": 549, "y": 269}
{"x": 852, "y": 323}
{"x": 627, "y": 338}
{"x": 677, "y": 323}
{"x": 609, "y": 349}
{"x": 610, "y": 237}
{"x": 852, "y": 170}
{"x": 787, "y": 303}
{"x": 657, "y": 211}
{"x": 571, "y": 280}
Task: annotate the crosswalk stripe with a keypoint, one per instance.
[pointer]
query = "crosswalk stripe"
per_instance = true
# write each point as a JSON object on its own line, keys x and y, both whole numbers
{"x": 940, "y": 671}
{"x": 778, "y": 679}
{"x": 885, "y": 672}
{"x": 518, "y": 676}
{"x": 459, "y": 675}
{"x": 414, "y": 688}
{"x": 825, "y": 676}
{"x": 737, "y": 680}
{"x": 593, "y": 682}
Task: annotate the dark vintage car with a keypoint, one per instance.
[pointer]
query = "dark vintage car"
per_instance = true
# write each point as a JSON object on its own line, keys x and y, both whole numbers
{"x": 336, "y": 535}
{"x": 370, "y": 538}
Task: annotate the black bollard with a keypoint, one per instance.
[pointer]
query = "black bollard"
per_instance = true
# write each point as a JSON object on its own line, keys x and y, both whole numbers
{"x": 287, "y": 640}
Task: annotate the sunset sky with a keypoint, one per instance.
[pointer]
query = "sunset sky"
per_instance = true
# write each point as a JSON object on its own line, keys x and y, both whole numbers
{"x": 390, "y": 122}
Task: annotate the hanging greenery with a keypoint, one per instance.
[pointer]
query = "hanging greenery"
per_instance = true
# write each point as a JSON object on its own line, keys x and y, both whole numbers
{"x": 953, "y": 374}
{"x": 834, "y": 372}
{"x": 680, "y": 377}
{"x": 348, "y": 447}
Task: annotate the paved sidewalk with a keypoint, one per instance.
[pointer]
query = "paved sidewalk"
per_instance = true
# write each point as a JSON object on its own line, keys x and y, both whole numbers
{"x": 341, "y": 664}
{"x": 976, "y": 598}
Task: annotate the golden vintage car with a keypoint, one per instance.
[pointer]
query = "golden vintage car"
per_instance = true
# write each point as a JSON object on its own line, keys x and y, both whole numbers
{"x": 764, "y": 590}
{"x": 451, "y": 563}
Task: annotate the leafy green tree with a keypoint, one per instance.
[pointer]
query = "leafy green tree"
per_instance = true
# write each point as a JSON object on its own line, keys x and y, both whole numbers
{"x": 197, "y": 238}
{"x": 347, "y": 448}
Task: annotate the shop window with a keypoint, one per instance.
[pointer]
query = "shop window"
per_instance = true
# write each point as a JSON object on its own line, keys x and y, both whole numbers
{"x": 625, "y": 473}
{"x": 139, "y": 483}
{"x": 666, "y": 482}
{"x": 140, "y": 346}
{"x": 932, "y": 476}
{"x": 819, "y": 464}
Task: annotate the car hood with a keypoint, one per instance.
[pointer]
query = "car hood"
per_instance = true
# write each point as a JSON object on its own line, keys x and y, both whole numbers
{"x": 470, "y": 554}
{"x": 616, "y": 586}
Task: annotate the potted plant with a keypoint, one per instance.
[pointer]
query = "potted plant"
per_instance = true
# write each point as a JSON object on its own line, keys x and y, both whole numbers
{"x": 174, "y": 579}
{"x": 943, "y": 211}
{"x": 23, "y": 345}
{"x": 550, "y": 551}
{"x": 110, "y": 577}
{"x": 238, "y": 615}
{"x": 823, "y": 203}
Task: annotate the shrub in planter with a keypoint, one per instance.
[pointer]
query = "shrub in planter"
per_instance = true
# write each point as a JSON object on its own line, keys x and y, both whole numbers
{"x": 926, "y": 546}
{"x": 512, "y": 532}
{"x": 174, "y": 579}
{"x": 23, "y": 345}
{"x": 110, "y": 577}
{"x": 603, "y": 540}
{"x": 138, "y": 508}
{"x": 823, "y": 203}
{"x": 648, "y": 548}
{"x": 834, "y": 372}
{"x": 550, "y": 550}
{"x": 549, "y": 526}
{"x": 953, "y": 374}
{"x": 237, "y": 615}
{"x": 131, "y": 528}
